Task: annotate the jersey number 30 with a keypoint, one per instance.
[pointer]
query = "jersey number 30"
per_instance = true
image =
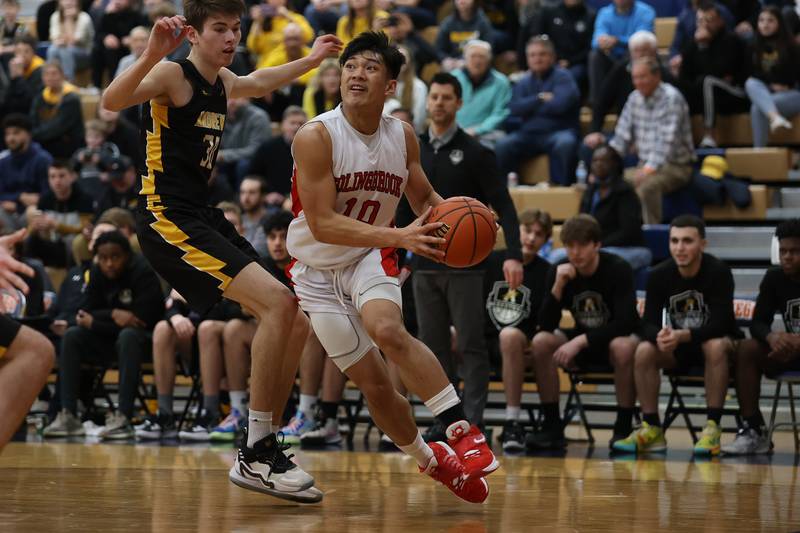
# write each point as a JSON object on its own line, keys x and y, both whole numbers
{"x": 212, "y": 145}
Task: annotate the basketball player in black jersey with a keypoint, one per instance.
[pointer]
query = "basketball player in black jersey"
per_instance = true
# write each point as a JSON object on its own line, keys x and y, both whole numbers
{"x": 26, "y": 356}
{"x": 193, "y": 246}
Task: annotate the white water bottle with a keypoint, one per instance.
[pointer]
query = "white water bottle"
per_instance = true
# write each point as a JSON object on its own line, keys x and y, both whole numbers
{"x": 581, "y": 174}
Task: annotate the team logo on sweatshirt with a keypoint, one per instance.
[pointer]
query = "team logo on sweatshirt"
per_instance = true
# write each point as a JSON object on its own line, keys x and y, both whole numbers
{"x": 126, "y": 297}
{"x": 456, "y": 156}
{"x": 688, "y": 310}
{"x": 508, "y": 308}
{"x": 792, "y": 316}
{"x": 590, "y": 310}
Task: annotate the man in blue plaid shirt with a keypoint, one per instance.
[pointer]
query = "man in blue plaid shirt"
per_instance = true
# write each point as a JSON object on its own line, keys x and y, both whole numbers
{"x": 655, "y": 125}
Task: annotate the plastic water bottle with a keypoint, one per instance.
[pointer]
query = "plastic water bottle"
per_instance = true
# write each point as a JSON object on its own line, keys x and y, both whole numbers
{"x": 581, "y": 174}
{"x": 513, "y": 180}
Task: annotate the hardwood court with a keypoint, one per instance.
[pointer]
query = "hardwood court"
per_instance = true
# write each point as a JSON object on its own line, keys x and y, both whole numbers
{"x": 119, "y": 487}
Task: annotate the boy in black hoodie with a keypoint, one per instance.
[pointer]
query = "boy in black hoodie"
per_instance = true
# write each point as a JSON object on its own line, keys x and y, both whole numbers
{"x": 123, "y": 303}
{"x": 598, "y": 289}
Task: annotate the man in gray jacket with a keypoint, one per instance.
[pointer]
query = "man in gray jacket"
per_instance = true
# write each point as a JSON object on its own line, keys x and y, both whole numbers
{"x": 246, "y": 127}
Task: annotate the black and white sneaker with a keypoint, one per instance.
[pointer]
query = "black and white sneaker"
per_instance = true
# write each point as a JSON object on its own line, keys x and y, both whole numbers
{"x": 266, "y": 468}
{"x": 157, "y": 427}
{"x": 201, "y": 429}
{"x": 513, "y": 437}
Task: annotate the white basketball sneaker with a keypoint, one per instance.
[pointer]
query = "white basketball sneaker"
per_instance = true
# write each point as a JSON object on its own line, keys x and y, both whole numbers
{"x": 266, "y": 468}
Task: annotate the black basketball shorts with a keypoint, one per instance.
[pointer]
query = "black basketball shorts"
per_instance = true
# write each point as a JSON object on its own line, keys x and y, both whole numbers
{"x": 8, "y": 332}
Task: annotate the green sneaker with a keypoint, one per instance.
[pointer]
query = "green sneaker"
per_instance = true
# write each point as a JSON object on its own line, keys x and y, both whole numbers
{"x": 708, "y": 445}
{"x": 646, "y": 439}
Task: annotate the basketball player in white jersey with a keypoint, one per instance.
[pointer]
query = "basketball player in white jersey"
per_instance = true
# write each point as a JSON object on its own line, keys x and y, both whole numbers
{"x": 352, "y": 165}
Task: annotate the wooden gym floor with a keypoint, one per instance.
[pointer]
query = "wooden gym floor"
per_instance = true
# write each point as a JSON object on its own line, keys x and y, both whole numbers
{"x": 87, "y": 487}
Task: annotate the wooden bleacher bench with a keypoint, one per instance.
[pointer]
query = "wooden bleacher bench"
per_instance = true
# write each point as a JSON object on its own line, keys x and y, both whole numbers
{"x": 757, "y": 211}
{"x": 736, "y": 130}
{"x": 665, "y": 31}
{"x": 560, "y": 202}
{"x": 760, "y": 164}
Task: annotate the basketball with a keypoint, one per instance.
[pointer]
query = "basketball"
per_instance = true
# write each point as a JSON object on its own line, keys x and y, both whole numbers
{"x": 469, "y": 231}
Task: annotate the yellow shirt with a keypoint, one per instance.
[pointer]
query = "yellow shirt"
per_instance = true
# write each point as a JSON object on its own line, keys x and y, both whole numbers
{"x": 262, "y": 43}
{"x": 361, "y": 25}
{"x": 278, "y": 57}
{"x": 310, "y": 107}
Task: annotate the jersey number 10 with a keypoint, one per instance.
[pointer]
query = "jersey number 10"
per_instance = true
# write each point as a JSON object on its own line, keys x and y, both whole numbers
{"x": 372, "y": 206}
{"x": 212, "y": 145}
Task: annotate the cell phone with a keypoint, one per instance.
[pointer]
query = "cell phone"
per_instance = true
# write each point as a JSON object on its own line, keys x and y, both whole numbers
{"x": 268, "y": 10}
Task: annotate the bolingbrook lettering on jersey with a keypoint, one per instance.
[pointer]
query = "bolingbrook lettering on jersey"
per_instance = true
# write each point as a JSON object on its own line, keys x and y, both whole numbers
{"x": 370, "y": 180}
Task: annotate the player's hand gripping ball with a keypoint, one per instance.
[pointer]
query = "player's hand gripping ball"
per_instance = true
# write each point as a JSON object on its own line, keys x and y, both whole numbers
{"x": 469, "y": 230}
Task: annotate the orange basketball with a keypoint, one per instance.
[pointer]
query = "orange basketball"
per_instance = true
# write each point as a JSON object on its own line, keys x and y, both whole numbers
{"x": 470, "y": 230}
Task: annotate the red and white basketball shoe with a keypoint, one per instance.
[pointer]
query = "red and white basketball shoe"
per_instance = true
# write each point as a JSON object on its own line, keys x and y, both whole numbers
{"x": 472, "y": 449}
{"x": 445, "y": 468}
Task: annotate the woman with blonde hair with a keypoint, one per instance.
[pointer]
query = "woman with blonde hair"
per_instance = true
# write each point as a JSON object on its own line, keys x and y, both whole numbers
{"x": 411, "y": 92}
{"x": 322, "y": 94}
{"x": 71, "y": 34}
{"x": 362, "y": 15}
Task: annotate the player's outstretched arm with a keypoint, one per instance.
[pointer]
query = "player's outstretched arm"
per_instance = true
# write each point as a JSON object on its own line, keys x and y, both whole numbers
{"x": 419, "y": 191}
{"x": 262, "y": 81}
{"x": 147, "y": 77}
{"x": 317, "y": 189}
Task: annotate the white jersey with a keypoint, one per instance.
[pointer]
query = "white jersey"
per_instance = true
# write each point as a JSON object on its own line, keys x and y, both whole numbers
{"x": 370, "y": 172}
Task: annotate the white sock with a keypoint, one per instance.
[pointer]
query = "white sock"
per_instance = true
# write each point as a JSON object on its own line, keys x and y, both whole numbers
{"x": 512, "y": 413}
{"x": 239, "y": 400}
{"x": 419, "y": 450}
{"x": 259, "y": 426}
{"x": 307, "y": 403}
{"x": 443, "y": 401}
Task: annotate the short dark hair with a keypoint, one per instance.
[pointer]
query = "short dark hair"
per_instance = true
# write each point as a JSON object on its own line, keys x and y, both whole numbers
{"x": 119, "y": 217}
{"x": 788, "y": 229}
{"x": 616, "y": 158}
{"x": 445, "y": 78}
{"x": 113, "y": 237}
{"x": 62, "y": 163}
{"x": 262, "y": 183}
{"x": 18, "y": 120}
{"x": 708, "y": 5}
{"x": 198, "y": 11}
{"x": 293, "y": 110}
{"x": 582, "y": 229}
{"x": 277, "y": 221}
{"x": 537, "y": 216}
{"x": 378, "y": 42}
{"x": 27, "y": 38}
{"x": 689, "y": 221}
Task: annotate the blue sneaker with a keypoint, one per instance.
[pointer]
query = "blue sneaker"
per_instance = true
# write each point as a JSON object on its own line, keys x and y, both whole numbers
{"x": 297, "y": 427}
{"x": 227, "y": 430}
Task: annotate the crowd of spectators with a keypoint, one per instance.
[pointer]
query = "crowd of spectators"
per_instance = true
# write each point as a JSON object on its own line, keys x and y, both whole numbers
{"x": 511, "y": 83}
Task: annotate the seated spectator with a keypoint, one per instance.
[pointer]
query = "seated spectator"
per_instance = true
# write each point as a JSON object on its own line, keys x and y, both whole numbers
{"x": 122, "y": 133}
{"x": 515, "y": 315}
{"x": 768, "y": 352}
{"x": 613, "y": 27}
{"x": 410, "y": 92}
{"x": 665, "y": 153}
{"x": 273, "y": 161}
{"x": 25, "y": 76}
{"x": 137, "y": 41}
{"x": 745, "y": 16}
{"x": 687, "y": 26}
{"x": 120, "y": 187}
{"x": 252, "y": 199}
{"x": 712, "y": 72}
{"x": 86, "y": 161}
{"x": 324, "y": 14}
{"x": 545, "y": 105}
{"x": 614, "y": 204}
{"x": 617, "y": 85}
{"x": 123, "y": 303}
{"x": 115, "y": 23}
{"x": 71, "y": 35}
{"x": 362, "y": 15}
{"x": 598, "y": 289}
{"x": 400, "y": 29}
{"x": 57, "y": 115}
{"x": 246, "y": 126}
{"x": 772, "y": 85}
{"x": 486, "y": 91}
{"x": 10, "y": 29}
{"x": 465, "y": 23}
{"x": 63, "y": 211}
{"x": 569, "y": 24}
{"x": 688, "y": 321}
{"x": 323, "y": 93}
{"x": 267, "y": 30}
{"x": 23, "y": 167}
{"x": 291, "y": 49}
{"x": 502, "y": 15}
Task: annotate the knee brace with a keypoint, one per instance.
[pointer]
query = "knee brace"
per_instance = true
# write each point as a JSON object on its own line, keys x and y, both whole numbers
{"x": 343, "y": 337}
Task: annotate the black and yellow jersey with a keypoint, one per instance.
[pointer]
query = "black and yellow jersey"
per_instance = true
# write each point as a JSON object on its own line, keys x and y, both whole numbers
{"x": 181, "y": 143}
